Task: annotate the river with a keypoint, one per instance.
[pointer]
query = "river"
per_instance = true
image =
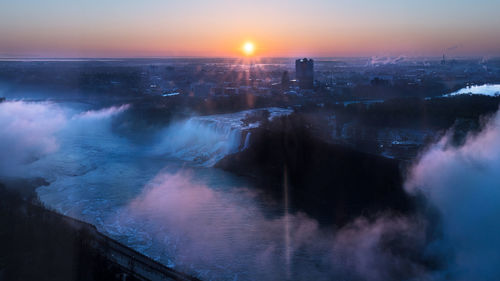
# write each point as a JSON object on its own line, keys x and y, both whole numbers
{"x": 165, "y": 200}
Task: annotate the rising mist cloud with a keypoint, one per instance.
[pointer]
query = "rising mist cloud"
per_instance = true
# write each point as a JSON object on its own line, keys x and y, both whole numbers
{"x": 27, "y": 132}
{"x": 102, "y": 113}
{"x": 463, "y": 183}
{"x": 30, "y": 130}
{"x": 240, "y": 241}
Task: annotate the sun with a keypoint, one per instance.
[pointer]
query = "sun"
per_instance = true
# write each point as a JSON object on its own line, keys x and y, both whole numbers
{"x": 248, "y": 48}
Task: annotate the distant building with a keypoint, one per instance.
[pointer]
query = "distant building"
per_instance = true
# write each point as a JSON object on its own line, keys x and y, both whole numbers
{"x": 200, "y": 89}
{"x": 285, "y": 81}
{"x": 304, "y": 73}
{"x": 379, "y": 81}
{"x": 443, "y": 61}
{"x": 230, "y": 91}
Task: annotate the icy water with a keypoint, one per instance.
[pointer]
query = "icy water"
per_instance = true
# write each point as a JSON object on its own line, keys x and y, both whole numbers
{"x": 165, "y": 200}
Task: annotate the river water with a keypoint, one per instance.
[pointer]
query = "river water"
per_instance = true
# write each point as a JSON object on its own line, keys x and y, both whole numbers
{"x": 165, "y": 200}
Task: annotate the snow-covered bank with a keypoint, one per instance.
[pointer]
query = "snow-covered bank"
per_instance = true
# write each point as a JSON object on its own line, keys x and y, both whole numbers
{"x": 486, "y": 89}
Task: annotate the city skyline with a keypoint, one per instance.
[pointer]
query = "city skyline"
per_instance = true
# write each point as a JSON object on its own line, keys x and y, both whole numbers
{"x": 220, "y": 28}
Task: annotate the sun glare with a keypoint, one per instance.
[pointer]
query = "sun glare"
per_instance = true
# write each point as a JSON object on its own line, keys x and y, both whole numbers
{"x": 248, "y": 48}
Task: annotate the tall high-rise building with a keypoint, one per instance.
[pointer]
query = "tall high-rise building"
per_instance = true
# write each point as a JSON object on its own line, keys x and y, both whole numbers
{"x": 304, "y": 73}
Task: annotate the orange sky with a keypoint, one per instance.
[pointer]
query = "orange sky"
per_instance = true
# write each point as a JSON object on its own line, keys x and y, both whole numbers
{"x": 146, "y": 28}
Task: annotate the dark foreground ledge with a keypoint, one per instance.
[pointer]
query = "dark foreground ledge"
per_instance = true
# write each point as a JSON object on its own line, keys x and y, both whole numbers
{"x": 40, "y": 244}
{"x": 130, "y": 261}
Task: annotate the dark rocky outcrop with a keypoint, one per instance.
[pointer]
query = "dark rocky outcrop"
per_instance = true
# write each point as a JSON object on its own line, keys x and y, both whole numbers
{"x": 330, "y": 182}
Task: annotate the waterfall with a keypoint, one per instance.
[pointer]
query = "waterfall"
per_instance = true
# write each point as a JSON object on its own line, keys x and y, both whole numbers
{"x": 204, "y": 140}
{"x": 247, "y": 141}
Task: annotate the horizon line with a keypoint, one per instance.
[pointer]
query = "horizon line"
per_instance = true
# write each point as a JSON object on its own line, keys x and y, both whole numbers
{"x": 243, "y": 58}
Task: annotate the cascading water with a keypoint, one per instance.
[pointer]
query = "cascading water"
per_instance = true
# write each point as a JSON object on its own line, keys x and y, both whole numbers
{"x": 200, "y": 141}
{"x": 247, "y": 140}
{"x": 204, "y": 140}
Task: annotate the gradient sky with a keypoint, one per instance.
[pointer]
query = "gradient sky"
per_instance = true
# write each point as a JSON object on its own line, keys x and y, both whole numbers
{"x": 145, "y": 28}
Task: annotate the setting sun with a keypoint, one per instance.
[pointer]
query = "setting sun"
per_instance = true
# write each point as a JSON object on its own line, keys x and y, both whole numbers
{"x": 248, "y": 48}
